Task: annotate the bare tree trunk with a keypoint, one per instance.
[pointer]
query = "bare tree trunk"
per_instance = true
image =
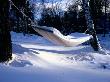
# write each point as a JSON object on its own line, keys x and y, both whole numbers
{"x": 5, "y": 38}
{"x": 90, "y": 25}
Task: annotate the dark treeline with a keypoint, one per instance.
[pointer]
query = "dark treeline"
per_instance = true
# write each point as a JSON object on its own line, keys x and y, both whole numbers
{"x": 73, "y": 20}
{"x": 5, "y": 38}
{"x": 19, "y": 21}
{"x": 11, "y": 19}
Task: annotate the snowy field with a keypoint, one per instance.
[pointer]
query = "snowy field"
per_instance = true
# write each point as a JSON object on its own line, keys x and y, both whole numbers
{"x": 37, "y": 60}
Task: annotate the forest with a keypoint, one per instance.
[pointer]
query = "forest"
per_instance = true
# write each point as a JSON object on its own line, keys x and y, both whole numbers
{"x": 60, "y": 39}
{"x": 19, "y": 17}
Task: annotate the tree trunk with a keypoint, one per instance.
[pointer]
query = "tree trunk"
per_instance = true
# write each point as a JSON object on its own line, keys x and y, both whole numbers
{"x": 105, "y": 25}
{"x": 90, "y": 25}
{"x": 5, "y": 38}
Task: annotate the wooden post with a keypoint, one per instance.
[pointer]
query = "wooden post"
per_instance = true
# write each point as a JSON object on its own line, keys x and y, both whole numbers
{"x": 5, "y": 38}
{"x": 90, "y": 25}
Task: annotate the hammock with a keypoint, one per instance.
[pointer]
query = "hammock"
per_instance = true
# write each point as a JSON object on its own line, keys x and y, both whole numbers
{"x": 56, "y": 37}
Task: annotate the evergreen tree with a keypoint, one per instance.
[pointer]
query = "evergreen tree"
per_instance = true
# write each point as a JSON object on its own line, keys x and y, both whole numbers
{"x": 28, "y": 10}
{"x": 22, "y": 23}
{"x": 70, "y": 19}
{"x": 97, "y": 9}
{"x": 82, "y": 22}
{"x": 50, "y": 19}
{"x": 5, "y": 38}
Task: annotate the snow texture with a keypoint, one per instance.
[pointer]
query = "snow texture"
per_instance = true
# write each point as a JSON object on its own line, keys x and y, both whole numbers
{"x": 37, "y": 60}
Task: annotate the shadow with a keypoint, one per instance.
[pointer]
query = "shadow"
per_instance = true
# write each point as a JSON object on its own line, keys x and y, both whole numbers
{"x": 78, "y": 54}
{"x": 86, "y": 49}
{"x": 20, "y": 63}
{"x": 18, "y": 49}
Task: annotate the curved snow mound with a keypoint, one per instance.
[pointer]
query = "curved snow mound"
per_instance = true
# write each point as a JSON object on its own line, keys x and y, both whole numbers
{"x": 56, "y": 37}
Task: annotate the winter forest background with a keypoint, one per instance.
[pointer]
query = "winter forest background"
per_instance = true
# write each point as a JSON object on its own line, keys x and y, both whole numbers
{"x": 66, "y": 16}
{"x": 27, "y": 56}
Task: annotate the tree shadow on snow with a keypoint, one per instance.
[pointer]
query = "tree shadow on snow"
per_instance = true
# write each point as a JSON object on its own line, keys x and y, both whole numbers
{"x": 18, "y": 49}
{"x": 87, "y": 49}
{"x": 20, "y": 63}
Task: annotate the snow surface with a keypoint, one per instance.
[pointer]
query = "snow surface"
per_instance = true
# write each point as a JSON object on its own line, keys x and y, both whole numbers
{"x": 37, "y": 60}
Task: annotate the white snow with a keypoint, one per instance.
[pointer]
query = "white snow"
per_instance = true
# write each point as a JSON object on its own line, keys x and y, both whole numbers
{"x": 37, "y": 60}
{"x": 56, "y": 37}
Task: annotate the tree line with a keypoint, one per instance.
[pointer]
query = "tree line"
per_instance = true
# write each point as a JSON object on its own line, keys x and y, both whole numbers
{"x": 20, "y": 21}
{"x": 11, "y": 19}
{"x": 73, "y": 19}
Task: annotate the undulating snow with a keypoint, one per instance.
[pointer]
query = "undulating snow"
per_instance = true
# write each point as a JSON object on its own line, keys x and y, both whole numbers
{"x": 37, "y": 60}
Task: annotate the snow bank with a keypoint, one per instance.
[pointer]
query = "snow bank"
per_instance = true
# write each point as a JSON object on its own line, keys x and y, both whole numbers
{"x": 35, "y": 60}
{"x": 36, "y": 44}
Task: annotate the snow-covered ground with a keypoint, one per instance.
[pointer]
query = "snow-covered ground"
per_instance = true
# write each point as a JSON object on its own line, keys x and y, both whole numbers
{"x": 37, "y": 60}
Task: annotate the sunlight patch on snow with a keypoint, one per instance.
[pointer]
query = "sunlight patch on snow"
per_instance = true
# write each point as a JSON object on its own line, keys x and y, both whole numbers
{"x": 53, "y": 59}
{"x": 38, "y": 52}
{"x": 13, "y": 58}
{"x": 57, "y": 48}
{"x": 20, "y": 61}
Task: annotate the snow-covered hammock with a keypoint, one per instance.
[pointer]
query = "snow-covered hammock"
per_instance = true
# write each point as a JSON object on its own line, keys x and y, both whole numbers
{"x": 56, "y": 37}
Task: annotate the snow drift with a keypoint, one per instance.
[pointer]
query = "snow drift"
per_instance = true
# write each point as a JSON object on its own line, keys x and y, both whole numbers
{"x": 36, "y": 60}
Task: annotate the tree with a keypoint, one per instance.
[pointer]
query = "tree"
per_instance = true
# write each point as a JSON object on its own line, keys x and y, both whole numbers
{"x": 90, "y": 25}
{"x": 70, "y": 19}
{"x": 50, "y": 18}
{"x": 22, "y": 12}
{"x": 28, "y": 10}
{"x": 5, "y": 38}
{"x": 98, "y": 9}
{"x": 75, "y": 17}
{"x": 106, "y": 5}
